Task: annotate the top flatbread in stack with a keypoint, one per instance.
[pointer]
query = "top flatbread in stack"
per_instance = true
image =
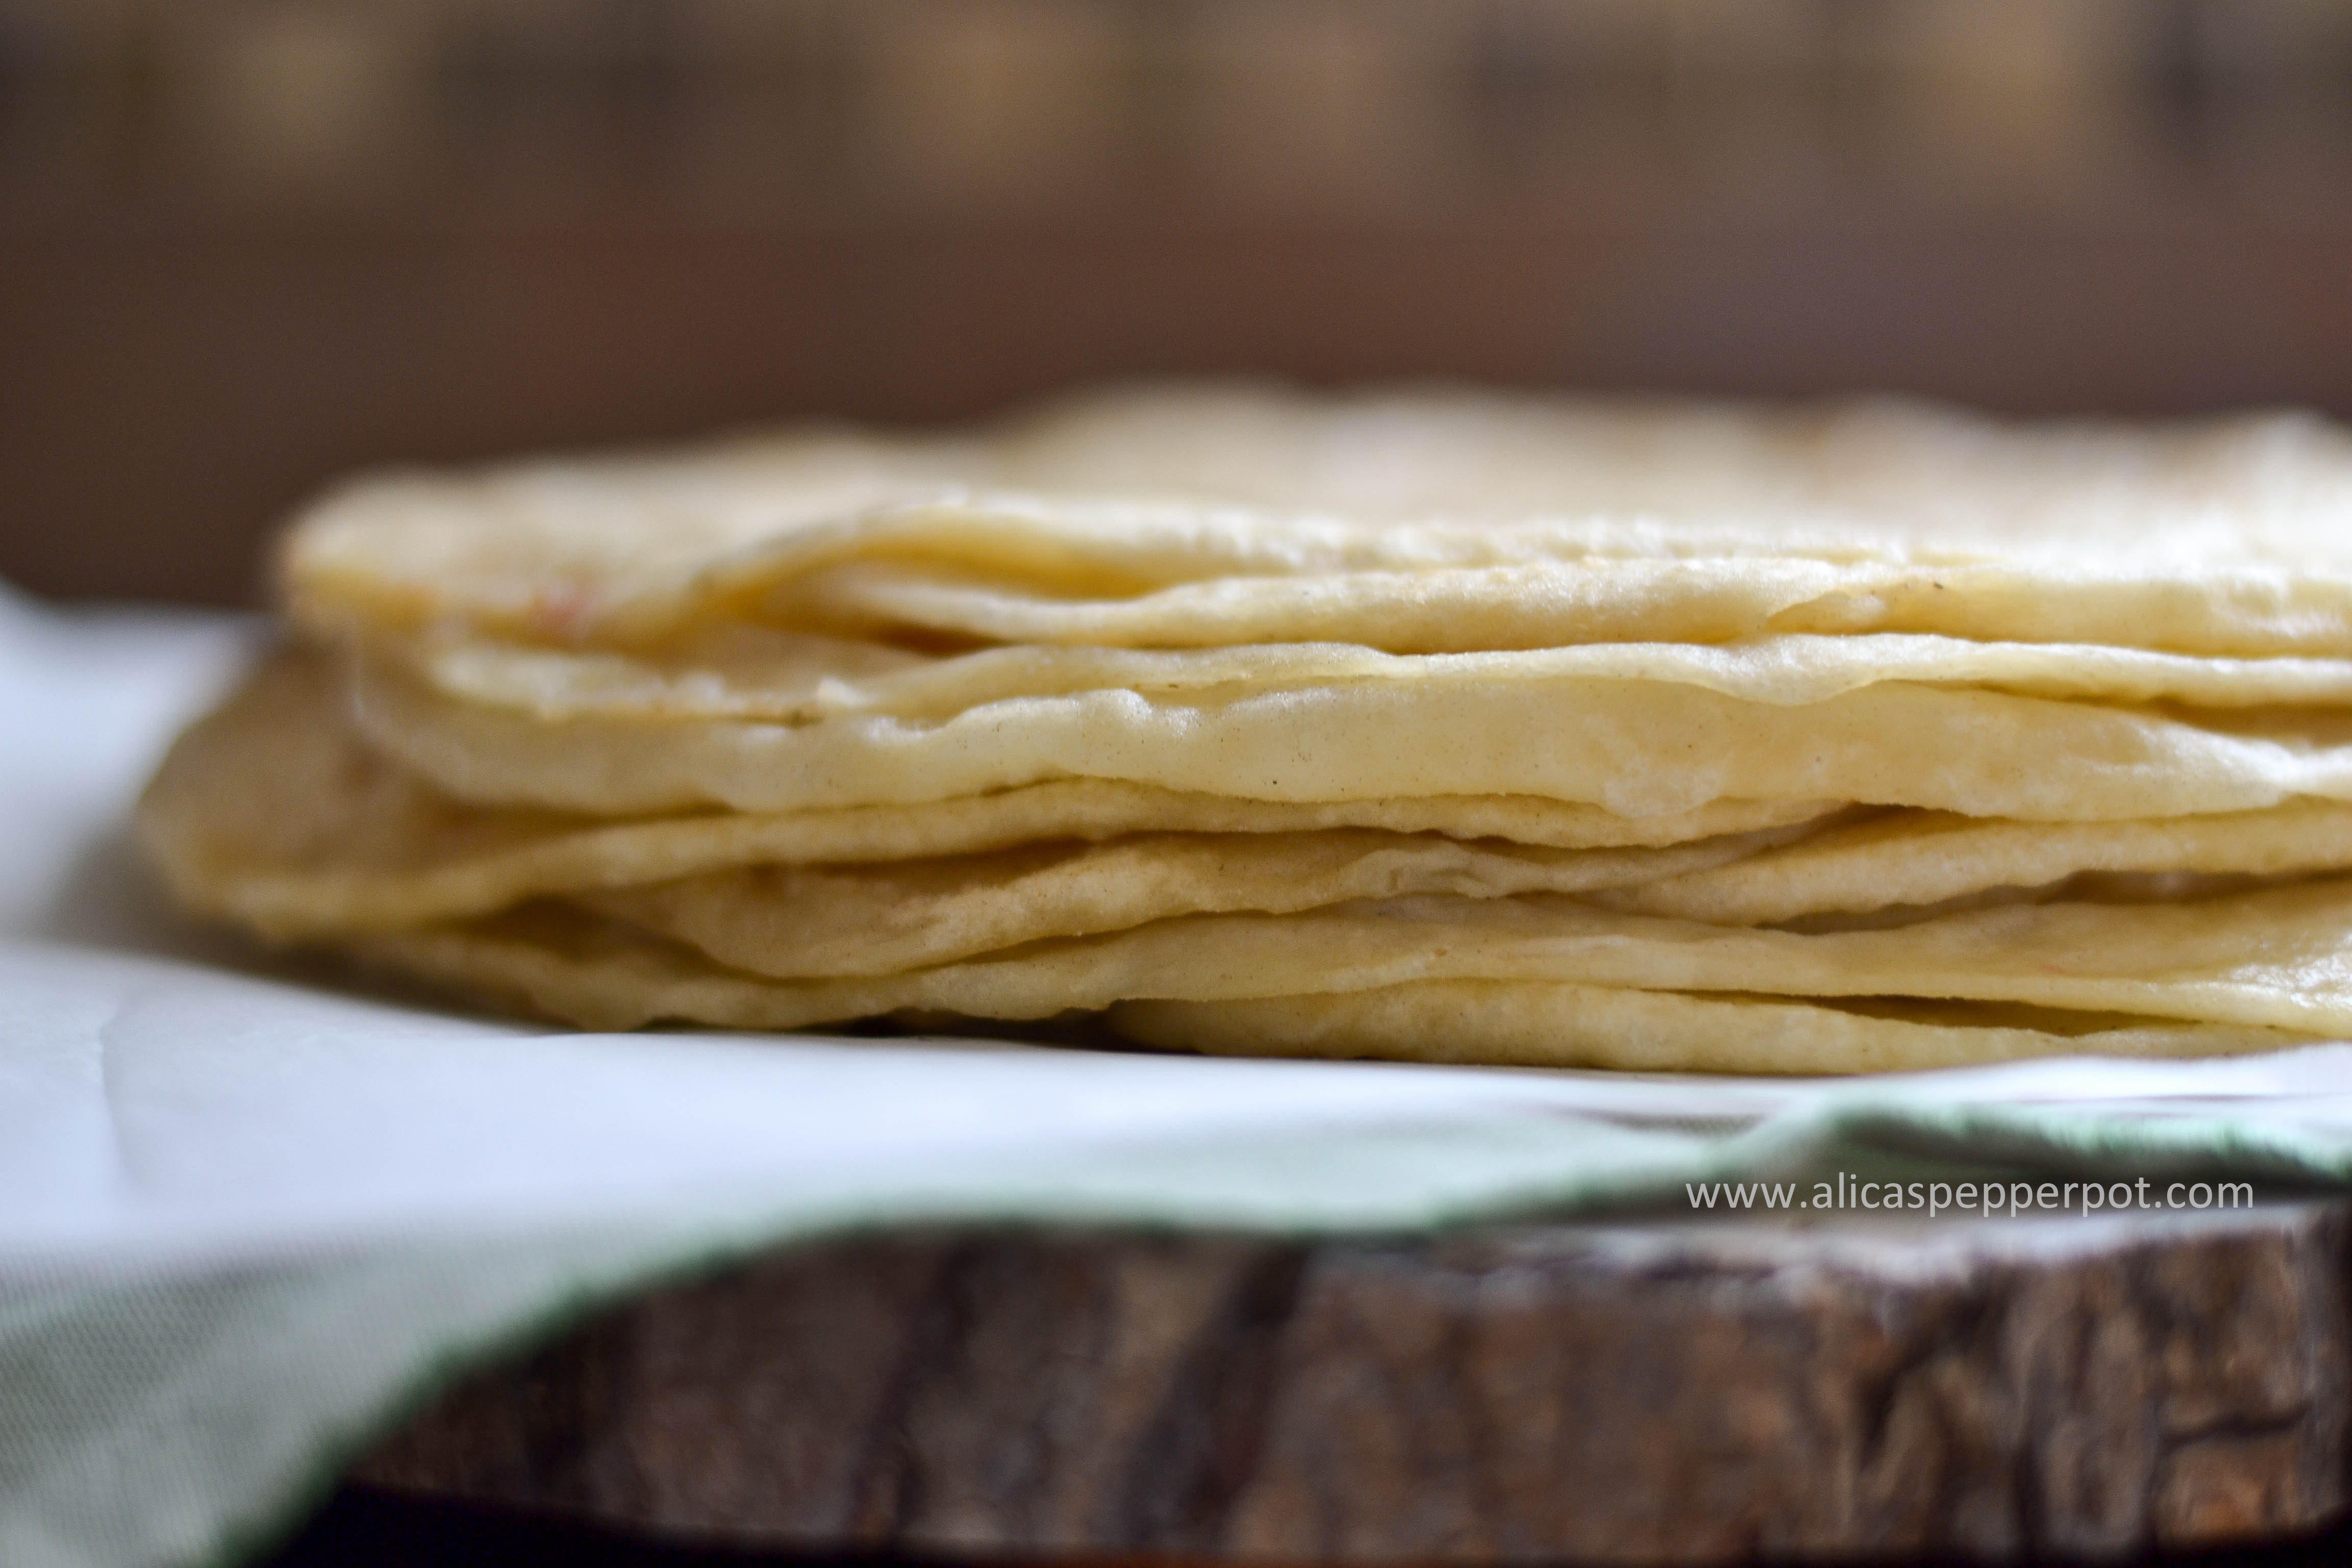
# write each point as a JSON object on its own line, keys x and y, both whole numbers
{"x": 1437, "y": 727}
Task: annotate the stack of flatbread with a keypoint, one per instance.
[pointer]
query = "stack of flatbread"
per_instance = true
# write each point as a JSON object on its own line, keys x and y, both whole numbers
{"x": 1433, "y": 726}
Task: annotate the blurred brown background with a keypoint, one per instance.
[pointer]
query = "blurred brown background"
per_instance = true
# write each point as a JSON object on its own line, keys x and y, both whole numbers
{"x": 245, "y": 246}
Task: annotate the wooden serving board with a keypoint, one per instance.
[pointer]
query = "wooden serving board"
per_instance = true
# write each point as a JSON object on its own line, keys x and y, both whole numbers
{"x": 1636, "y": 1391}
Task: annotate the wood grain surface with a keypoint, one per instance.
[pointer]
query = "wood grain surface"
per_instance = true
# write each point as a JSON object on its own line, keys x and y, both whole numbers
{"x": 1624, "y": 1393}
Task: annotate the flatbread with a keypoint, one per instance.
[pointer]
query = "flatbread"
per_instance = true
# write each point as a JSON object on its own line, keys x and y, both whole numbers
{"x": 1635, "y": 748}
{"x": 1429, "y": 725}
{"x": 1535, "y": 1023}
{"x": 1916, "y": 859}
{"x": 1440, "y": 607}
{"x": 600, "y": 976}
{"x": 271, "y": 811}
{"x": 735, "y": 671}
{"x": 2227, "y": 539}
{"x": 2277, "y": 957}
{"x": 816, "y": 922}
{"x": 1901, "y": 473}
